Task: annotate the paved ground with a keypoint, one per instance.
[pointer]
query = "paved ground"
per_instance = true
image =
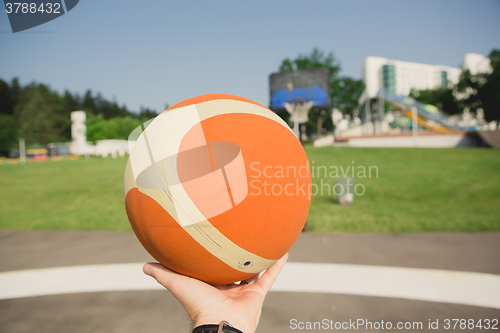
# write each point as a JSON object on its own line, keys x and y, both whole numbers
{"x": 158, "y": 311}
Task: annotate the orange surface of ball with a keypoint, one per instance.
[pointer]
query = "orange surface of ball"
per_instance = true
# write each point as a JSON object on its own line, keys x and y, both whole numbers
{"x": 217, "y": 187}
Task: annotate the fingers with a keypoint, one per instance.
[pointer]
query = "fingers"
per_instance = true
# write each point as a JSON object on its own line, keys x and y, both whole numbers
{"x": 172, "y": 281}
{"x": 268, "y": 278}
{"x": 163, "y": 275}
{"x": 250, "y": 280}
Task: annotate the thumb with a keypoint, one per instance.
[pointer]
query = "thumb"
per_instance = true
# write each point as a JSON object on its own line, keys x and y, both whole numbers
{"x": 163, "y": 275}
{"x": 267, "y": 279}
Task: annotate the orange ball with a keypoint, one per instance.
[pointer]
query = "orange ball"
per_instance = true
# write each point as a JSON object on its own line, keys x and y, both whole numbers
{"x": 217, "y": 187}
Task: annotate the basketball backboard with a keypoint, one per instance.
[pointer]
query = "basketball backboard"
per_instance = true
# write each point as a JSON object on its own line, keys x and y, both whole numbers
{"x": 300, "y": 86}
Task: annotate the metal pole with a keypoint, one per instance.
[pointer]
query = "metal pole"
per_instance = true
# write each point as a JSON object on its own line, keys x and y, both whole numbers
{"x": 22, "y": 151}
{"x": 296, "y": 128}
{"x": 301, "y": 129}
{"x": 367, "y": 115}
{"x": 381, "y": 112}
{"x": 414, "y": 126}
{"x": 320, "y": 123}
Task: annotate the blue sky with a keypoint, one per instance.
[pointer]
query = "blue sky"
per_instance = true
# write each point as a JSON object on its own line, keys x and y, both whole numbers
{"x": 152, "y": 52}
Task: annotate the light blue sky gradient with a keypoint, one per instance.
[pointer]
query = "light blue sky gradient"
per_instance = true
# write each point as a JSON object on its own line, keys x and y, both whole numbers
{"x": 152, "y": 52}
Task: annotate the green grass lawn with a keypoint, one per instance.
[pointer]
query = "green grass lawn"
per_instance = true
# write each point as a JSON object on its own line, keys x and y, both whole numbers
{"x": 78, "y": 195}
{"x": 416, "y": 190}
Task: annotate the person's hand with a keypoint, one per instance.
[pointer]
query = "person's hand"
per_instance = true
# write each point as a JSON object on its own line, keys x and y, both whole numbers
{"x": 238, "y": 304}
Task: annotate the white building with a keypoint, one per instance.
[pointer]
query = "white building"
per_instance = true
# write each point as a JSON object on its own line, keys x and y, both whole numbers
{"x": 400, "y": 77}
{"x": 476, "y": 63}
{"x": 104, "y": 148}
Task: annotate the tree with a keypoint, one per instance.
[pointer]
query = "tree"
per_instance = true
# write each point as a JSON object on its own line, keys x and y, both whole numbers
{"x": 99, "y": 105}
{"x": 489, "y": 92}
{"x": 6, "y": 103}
{"x": 346, "y": 93}
{"x": 37, "y": 117}
{"x": 41, "y": 116}
{"x": 8, "y": 129}
{"x": 15, "y": 91}
{"x": 69, "y": 103}
{"x": 146, "y": 114}
{"x": 316, "y": 59}
{"x": 8, "y": 135}
{"x": 88, "y": 103}
{"x": 443, "y": 98}
{"x": 99, "y": 128}
{"x": 482, "y": 90}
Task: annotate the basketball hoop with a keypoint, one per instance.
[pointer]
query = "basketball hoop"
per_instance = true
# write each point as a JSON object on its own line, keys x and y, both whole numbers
{"x": 299, "y": 114}
{"x": 298, "y": 92}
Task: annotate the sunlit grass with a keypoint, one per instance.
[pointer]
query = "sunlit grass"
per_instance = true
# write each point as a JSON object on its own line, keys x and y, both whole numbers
{"x": 80, "y": 195}
{"x": 416, "y": 190}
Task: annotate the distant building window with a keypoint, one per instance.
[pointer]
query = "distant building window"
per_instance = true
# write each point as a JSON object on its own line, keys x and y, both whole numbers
{"x": 388, "y": 72}
{"x": 444, "y": 79}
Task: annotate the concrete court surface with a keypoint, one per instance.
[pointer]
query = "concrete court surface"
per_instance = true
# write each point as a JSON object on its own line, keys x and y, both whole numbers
{"x": 158, "y": 311}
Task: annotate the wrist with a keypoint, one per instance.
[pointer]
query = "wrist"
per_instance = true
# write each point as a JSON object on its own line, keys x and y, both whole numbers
{"x": 233, "y": 322}
{"x": 222, "y": 327}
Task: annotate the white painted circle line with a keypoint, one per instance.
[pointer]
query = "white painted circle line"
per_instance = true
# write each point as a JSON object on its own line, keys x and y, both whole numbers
{"x": 75, "y": 279}
{"x": 467, "y": 288}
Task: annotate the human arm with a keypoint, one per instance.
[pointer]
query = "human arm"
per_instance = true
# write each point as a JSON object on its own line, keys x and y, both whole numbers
{"x": 238, "y": 304}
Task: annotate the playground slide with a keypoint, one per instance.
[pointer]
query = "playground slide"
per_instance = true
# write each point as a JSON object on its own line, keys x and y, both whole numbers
{"x": 427, "y": 115}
